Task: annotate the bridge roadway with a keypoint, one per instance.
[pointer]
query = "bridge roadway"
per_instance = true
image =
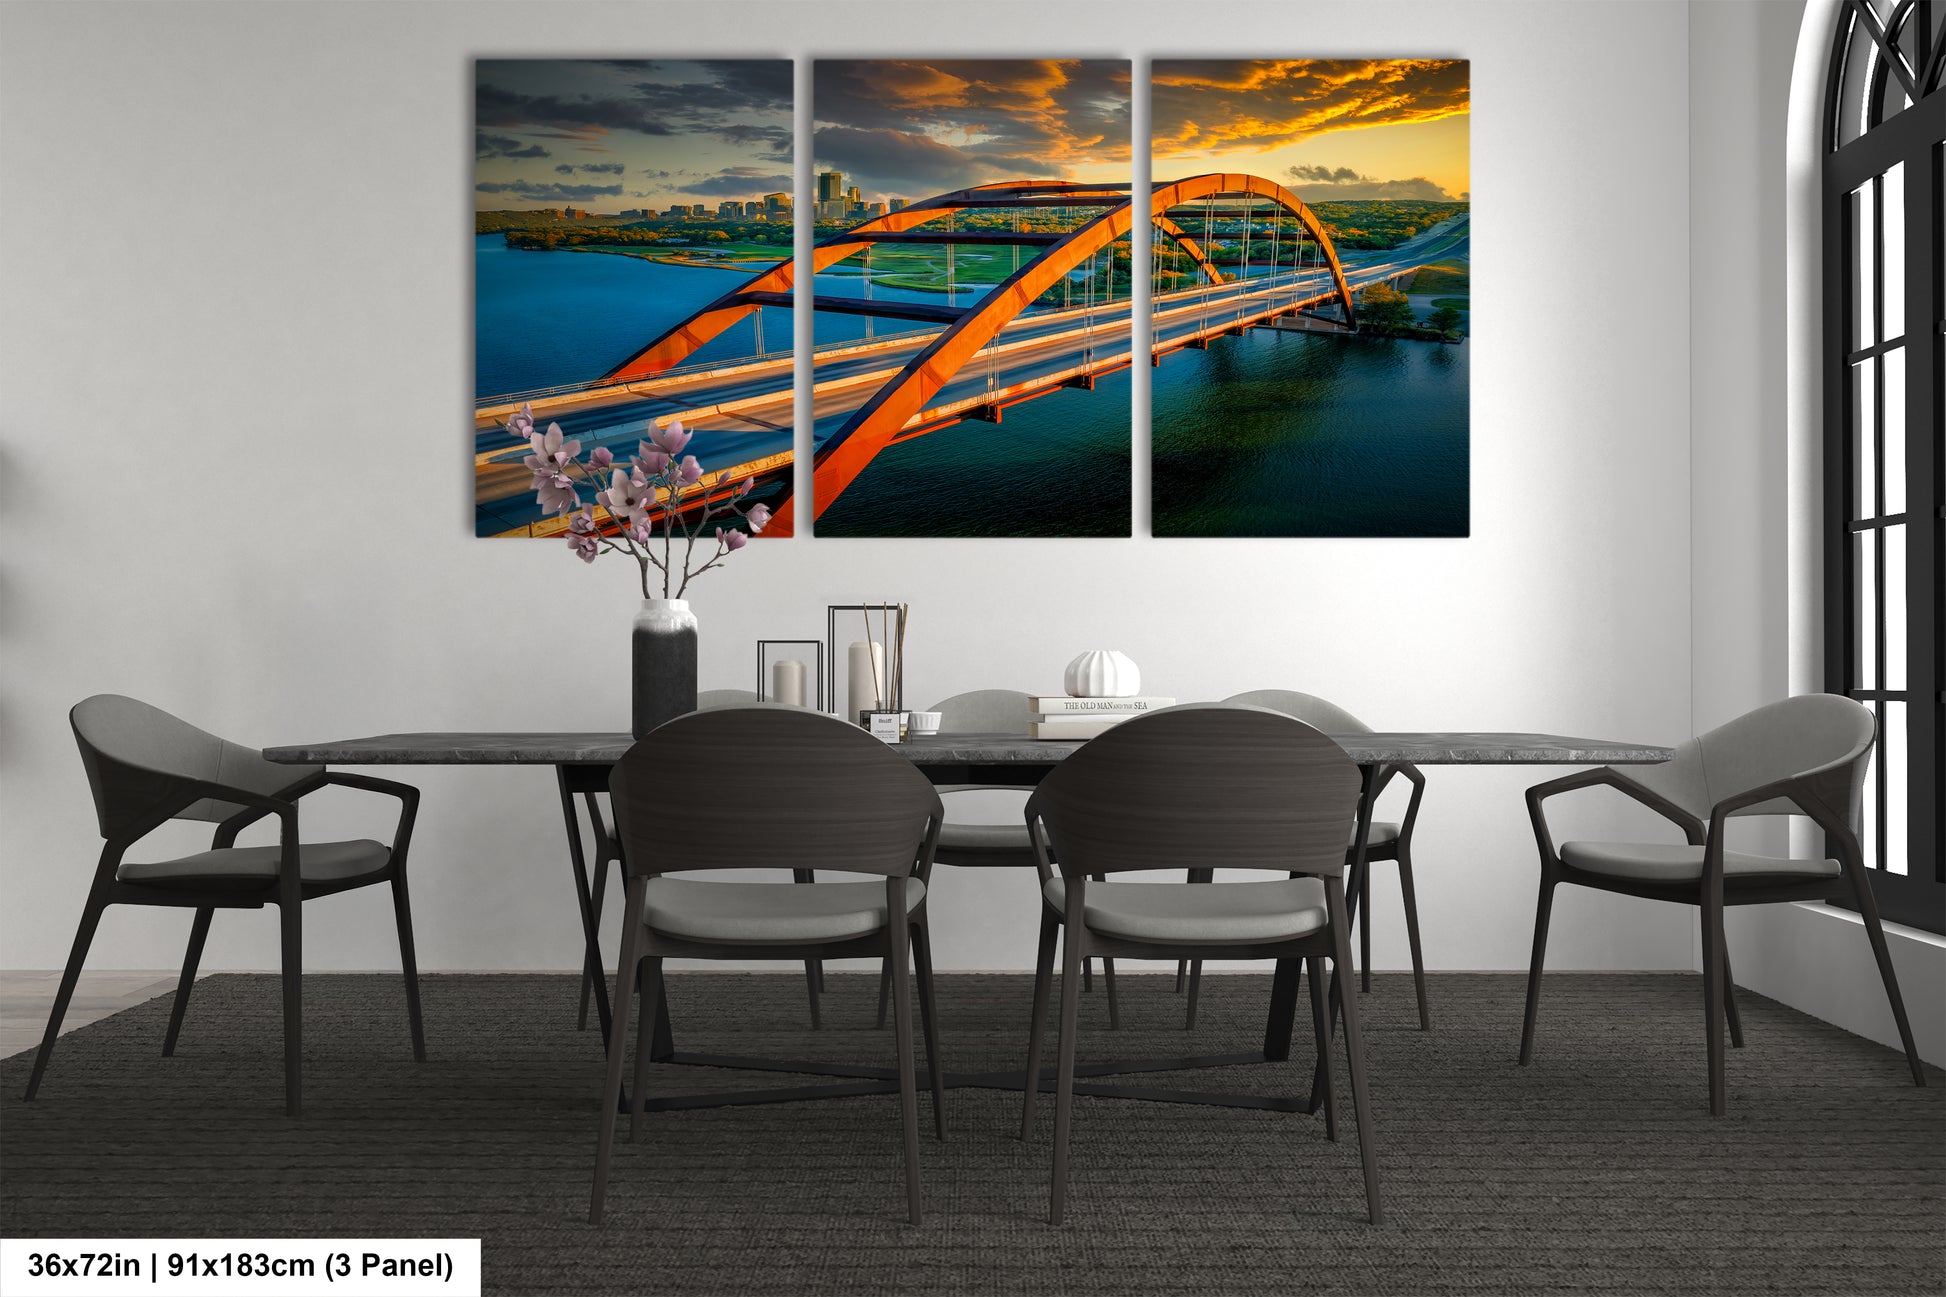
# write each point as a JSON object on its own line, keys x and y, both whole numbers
{"x": 748, "y": 405}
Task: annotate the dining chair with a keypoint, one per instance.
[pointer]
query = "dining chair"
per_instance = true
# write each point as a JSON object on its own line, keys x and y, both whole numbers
{"x": 1226, "y": 786}
{"x": 1386, "y": 840}
{"x": 1803, "y": 756}
{"x": 145, "y": 768}
{"x": 608, "y": 852}
{"x": 993, "y": 846}
{"x": 816, "y": 793}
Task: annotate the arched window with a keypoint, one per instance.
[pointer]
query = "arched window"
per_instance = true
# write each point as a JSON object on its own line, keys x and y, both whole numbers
{"x": 1884, "y": 205}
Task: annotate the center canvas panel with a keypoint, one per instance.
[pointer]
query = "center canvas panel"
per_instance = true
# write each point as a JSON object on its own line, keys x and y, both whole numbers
{"x": 629, "y": 217}
{"x": 1312, "y": 278}
{"x": 971, "y": 297}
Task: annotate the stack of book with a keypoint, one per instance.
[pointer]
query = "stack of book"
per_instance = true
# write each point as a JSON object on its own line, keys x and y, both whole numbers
{"x": 1083, "y": 718}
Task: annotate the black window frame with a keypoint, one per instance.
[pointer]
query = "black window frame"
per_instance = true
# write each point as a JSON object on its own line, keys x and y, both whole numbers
{"x": 1904, "y": 57}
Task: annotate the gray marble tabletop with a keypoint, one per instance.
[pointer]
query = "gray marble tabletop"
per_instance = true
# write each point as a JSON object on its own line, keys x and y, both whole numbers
{"x": 507, "y": 748}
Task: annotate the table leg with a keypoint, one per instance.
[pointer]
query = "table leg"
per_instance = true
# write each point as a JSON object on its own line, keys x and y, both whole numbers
{"x": 584, "y": 895}
{"x": 1354, "y": 881}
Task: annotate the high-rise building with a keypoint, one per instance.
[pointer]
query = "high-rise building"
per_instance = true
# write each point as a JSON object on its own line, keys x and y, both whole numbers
{"x": 896, "y": 205}
{"x": 831, "y": 187}
{"x": 855, "y": 197}
{"x": 874, "y": 210}
{"x": 729, "y": 207}
{"x": 777, "y": 202}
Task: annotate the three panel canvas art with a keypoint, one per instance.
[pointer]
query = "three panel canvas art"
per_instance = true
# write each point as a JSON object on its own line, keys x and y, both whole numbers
{"x": 978, "y": 270}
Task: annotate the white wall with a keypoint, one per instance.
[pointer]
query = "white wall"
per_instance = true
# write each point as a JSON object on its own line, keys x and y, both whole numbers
{"x": 236, "y": 349}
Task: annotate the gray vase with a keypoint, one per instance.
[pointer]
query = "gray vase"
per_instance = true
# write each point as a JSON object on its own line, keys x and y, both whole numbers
{"x": 664, "y": 663}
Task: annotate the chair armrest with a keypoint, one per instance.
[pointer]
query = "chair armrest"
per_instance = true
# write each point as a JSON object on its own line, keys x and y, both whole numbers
{"x": 1803, "y": 790}
{"x": 408, "y": 805}
{"x": 1417, "y": 779}
{"x": 1037, "y": 837}
{"x": 1609, "y": 777}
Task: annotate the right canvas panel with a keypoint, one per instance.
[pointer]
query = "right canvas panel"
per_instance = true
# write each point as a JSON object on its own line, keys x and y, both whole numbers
{"x": 1311, "y": 282}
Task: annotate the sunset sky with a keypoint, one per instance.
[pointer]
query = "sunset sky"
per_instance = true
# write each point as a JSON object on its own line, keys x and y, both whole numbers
{"x": 1327, "y": 128}
{"x": 614, "y": 133}
{"x": 912, "y": 128}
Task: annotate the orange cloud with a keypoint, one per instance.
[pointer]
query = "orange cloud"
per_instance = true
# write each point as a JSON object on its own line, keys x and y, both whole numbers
{"x": 1203, "y": 108}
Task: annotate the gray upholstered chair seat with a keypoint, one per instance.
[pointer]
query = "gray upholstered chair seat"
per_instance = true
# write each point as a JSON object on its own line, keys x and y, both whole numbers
{"x": 777, "y": 913}
{"x": 954, "y": 836}
{"x": 1657, "y": 862}
{"x": 1199, "y": 912}
{"x": 1382, "y": 834}
{"x": 318, "y": 862}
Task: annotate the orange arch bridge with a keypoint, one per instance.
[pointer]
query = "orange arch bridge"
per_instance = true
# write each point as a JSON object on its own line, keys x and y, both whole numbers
{"x": 878, "y": 422}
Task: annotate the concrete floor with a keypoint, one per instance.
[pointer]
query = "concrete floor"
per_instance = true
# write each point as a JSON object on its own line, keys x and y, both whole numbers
{"x": 27, "y": 997}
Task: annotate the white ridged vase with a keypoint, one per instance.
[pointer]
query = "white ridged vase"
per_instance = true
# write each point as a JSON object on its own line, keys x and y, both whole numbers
{"x": 1103, "y": 673}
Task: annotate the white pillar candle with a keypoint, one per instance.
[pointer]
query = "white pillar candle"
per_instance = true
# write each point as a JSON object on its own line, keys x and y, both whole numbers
{"x": 867, "y": 675}
{"x": 787, "y": 682}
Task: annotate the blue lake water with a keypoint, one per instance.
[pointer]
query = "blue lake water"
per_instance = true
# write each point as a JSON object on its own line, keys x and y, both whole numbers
{"x": 1284, "y": 434}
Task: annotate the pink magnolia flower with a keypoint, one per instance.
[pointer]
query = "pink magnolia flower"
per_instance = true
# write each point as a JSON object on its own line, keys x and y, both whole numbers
{"x": 583, "y": 523}
{"x": 640, "y": 531}
{"x": 692, "y": 472}
{"x": 758, "y": 517}
{"x": 743, "y": 487}
{"x": 601, "y": 457}
{"x": 672, "y": 438}
{"x": 556, "y": 494}
{"x": 586, "y": 546}
{"x": 652, "y": 461}
{"x": 733, "y": 540}
{"x": 521, "y": 422}
{"x": 624, "y": 498}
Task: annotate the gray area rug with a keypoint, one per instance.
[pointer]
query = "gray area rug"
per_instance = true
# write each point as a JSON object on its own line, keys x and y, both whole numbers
{"x": 1596, "y": 1170}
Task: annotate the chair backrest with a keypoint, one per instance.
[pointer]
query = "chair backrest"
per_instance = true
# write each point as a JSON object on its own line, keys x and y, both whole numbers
{"x": 985, "y": 711}
{"x": 724, "y": 698}
{"x": 1325, "y": 717}
{"x": 135, "y": 755}
{"x": 1776, "y": 741}
{"x": 1201, "y": 786}
{"x": 771, "y": 787}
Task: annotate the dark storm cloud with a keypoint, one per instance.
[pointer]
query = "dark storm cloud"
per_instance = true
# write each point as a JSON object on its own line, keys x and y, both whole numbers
{"x": 1326, "y": 183}
{"x": 504, "y": 146}
{"x": 738, "y": 182}
{"x": 954, "y": 122}
{"x": 591, "y": 168}
{"x": 496, "y": 106}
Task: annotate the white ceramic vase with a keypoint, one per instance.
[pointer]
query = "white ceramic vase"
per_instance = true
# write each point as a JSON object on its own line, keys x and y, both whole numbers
{"x": 1103, "y": 673}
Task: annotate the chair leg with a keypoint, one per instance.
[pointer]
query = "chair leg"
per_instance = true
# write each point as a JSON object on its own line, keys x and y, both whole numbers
{"x": 198, "y": 933}
{"x": 1087, "y": 977}
{"x": 1114, "y": 1007}
{"x": 813, "y": 968}
{"x": 1412, "y": 934}
{"x": 884, "y": 989}
{"x": 611, "y": 1094}
{"x": 409, "y": 961}
{"x": 1361, "y": 1106}
{"x": 897, "y": 937}
{"x": 1195, "y": 992}
{"x": 1544, "y": 907}
{"x": 1730, "y": 1001}
{"x": 291, "y": 919}
{"x": 649, "y": 973}
{"x": 1321, "y": 1026}
{"x": 929, "y": 1022}
{"x": 1713, "y": 995}
{"x": 1365, "y": 927}
{"x": 77, "y": 956}
{"x": 1071, "y": 961}
{"x": 1182, "y": 974}
{"x": 1868, "y": 911}
{"x": 1043, "y": 980}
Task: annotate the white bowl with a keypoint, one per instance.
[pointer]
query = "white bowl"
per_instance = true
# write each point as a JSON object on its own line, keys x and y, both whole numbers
{"x": 924, "y": 722}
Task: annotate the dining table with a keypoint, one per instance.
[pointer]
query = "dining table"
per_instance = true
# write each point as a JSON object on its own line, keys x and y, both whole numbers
{"x": 582, "y": 762}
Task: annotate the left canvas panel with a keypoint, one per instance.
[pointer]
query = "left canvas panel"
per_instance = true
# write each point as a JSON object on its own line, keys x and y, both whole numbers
{"x": 630, "y": 217}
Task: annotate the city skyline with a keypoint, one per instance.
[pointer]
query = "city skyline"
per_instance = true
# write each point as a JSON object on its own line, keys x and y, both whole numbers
{"x": 608, "y": 134}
